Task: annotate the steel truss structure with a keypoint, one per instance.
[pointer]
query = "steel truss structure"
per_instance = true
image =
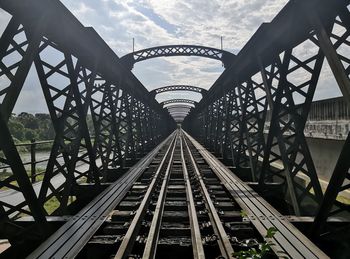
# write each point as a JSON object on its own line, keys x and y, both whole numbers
{"x": 80, "y": 76}
{"x": 176, "y": 109}
{"x": 172, "y": 88}
{"x": 179, "y": 106}
{"x": 273, "y": 73}
{"x": 177, "y": 50}
{"x": 182, "y": 101}
{"x": 276, "y": 74}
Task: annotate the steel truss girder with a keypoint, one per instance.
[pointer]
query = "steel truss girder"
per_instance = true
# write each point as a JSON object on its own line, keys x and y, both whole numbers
{"x": 332, "y": 41}
{"x": 179, "y": 110}
{"x": 287, "y": 124}
{"x": 252, "y": 119}
{"x": 134, "y": 124}
{"x": 174, "y": 88}
{"x": 177, "y": 50}
{"x": 249, "y": 101}
{"x": 23, "y": 42}
{"x": 68, "y": 106}
{"x": 178, "y": 101}
{"x": 179, "y": 113}
{"x": 181, "y": 105}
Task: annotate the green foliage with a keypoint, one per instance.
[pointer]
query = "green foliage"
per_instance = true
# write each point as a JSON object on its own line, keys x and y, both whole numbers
{"x": 28, "y": 120}
{"x": 271, "y": 232}
{"x": 243, "y": 214}
{"x": 16, "y": 128}
{"x": 51, "y": 205}
{"x": 30, "y": 134}
{"x": 263, "y": 250}
{"x": 26, "y": 127}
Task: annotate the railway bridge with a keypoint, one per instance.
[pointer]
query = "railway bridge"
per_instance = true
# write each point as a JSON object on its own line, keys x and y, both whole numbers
{"x": 229, "y": 176}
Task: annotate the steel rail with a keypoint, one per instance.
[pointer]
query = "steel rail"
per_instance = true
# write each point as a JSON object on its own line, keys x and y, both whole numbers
{"x": 198, "y": 250}
{"x": 153, "y": 234}
{"x": 288, "y": 241}
{"x": 67, "y": 241}
{"x": 129, "y": 238}
{"x": 223, "y": 239}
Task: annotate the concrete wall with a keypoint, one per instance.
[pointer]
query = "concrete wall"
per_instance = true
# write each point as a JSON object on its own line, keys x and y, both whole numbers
{"x": 325, "y": 153}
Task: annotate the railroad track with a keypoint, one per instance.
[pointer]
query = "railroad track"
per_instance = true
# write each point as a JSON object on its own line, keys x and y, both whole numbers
{"x": 178, "y": 202}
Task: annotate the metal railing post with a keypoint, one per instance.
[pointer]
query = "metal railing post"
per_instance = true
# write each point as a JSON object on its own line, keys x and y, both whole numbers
{"x": 33, "y": 160}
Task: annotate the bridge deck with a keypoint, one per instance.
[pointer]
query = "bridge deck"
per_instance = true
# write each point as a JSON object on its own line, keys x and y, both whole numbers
{"x": 178, "y": 198}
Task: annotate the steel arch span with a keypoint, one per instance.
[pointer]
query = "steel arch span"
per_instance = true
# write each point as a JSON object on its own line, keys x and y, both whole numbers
{"x": 178, "y": 101}
{"x": 179, "y": 109}
{"x": 177, "y": 50}
{"x": 180, "y": 105}
{"x": 172, "y": 88}
{"x": 178, "y": 112}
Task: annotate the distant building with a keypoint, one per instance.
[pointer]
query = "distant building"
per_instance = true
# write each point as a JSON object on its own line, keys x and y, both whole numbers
{"x": 329, "y": 118}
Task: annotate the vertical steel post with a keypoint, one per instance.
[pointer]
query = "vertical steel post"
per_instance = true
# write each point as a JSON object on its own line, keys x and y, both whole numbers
{"x": 33, "y": 160}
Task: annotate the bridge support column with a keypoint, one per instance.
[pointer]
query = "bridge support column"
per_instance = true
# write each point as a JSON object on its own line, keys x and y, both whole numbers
{"x": 18, "y": 47}
{"x": 339, "y": 181}
{"x": 287, "y": 126}
{"x": 68, "y": 101}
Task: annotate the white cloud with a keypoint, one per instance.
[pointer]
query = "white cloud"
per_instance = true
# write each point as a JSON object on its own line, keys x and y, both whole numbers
{"x": 83, "y": 9}
{"x": 4, "y": 19}
{"x": 162, "y": 22}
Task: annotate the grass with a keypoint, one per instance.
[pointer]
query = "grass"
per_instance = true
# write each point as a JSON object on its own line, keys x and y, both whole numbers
{"x": 51, "y": 205}
{"x": 340, "y": 198}
{"x": 343, "y": 199}
{"x": 40, "y": 172}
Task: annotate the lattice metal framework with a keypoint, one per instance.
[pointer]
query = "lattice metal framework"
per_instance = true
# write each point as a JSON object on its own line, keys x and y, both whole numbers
{"x": 180, "y": 108}
{"x": 178, "y": 101}
{"x": 75, "y": 83}
{"x": 172, "y": 88}
{"x": 177, "y": 50}
{"x": 281, "y": 76}
{"x": 276, "y": 72}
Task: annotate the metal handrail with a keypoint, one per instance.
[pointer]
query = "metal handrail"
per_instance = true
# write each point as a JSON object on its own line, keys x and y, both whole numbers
{"x": 33, "y": 162}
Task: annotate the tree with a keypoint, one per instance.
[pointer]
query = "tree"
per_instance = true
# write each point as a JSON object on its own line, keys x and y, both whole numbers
{"x": 17, "y": 129}
{"x": 26, "y": 126}
{"x": 30, "y": 134}
{"x": 46, "y": 130}
{"x": 28, "y": 120}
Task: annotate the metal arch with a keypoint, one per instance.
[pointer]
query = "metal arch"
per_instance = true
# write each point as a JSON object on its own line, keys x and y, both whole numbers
{"x": 178, "y": 101}
{"x": 182, "y": 112}
{"x": 179, "y": 118}
{"x": 187, "y": 108}
{"x": 179, "y": 113}
{"x": 178, "y": 110}
{"x": 179, "y": 105}
{"x": 177, "y": 50}
{"x": 172, "y": 88}
{"x": 184, "y": 107}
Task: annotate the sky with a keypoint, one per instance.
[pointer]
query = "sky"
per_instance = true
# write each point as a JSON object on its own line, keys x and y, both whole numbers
{"x": 162, "y": 22}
